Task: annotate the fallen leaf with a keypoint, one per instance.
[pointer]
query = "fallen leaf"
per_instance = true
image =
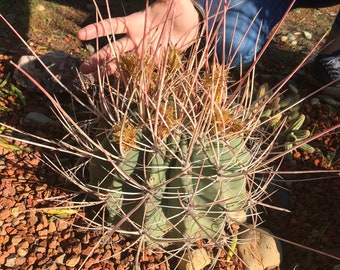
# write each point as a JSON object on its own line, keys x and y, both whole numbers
{"x": 60, "y": 212}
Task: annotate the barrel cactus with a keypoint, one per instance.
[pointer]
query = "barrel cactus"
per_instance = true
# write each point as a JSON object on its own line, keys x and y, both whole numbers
{"x": 175, "y": 164}
{"x": 177, "y": 155}
{"x": 182, "y": 188}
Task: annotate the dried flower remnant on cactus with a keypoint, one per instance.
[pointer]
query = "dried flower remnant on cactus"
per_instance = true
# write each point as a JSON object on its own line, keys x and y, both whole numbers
{"x": 170, "y": 119}
{"x": 125, "y": 133}
{"x": 146, "y": 72}
{"x": 226, "y": 122}
{"x": 215, "y": 81}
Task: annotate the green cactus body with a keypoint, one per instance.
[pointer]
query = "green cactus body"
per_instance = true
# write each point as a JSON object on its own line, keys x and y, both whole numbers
{"x": 300, "y": 134}
{"x": 206, "y": 193}
{"x": 266, "y": 113}
{"x": 181, "y": 194}
{"x": 151, "y": 216}
{"x": 294, "y": 135}
{"x": 154, "y": 220}
{"x": 307, "y": 148}
{"x": 218, "y": 186}
{"x": 285, "y": 102}
{"x": 176, "y": 168}
{"x": 298, "y": 122}
{"x": 293, "y": 115}
{"x": 109, "y": 175}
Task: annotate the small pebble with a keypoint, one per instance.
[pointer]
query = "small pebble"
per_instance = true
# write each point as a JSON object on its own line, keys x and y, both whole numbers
{"x": 307, "y": 35}
{"x": 16, "y": 239}
{"x": 291, "y": 37}
{"x": 23, "y": 245}
{"x": 22, "y": 252}
{"x": 293, "y": 87}
{"x": 284, "y": 38}
{"x": 20, "y": 261}
{"x": 40, "y": 250}
{"x": 39, "y": 8}
{"x": 314, "y": 101}
{"x": 31, "y": 259}
{"x": 73, "y": 261}
{"x": 38, "y": 119}
{"x": 60, "y": 259}
{"x": 51, "y": 227}
{"x": 61, "y": 225}
{"x": 10, "y": 261}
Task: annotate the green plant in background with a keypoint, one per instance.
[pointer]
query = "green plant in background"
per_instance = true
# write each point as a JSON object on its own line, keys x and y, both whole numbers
{"x": 7, "y": 90}
{"x": 9, "y": 93}
{"x": 331, "y": 157}
{"x": 284, "y": 108}
{"x": 5, "y": 142}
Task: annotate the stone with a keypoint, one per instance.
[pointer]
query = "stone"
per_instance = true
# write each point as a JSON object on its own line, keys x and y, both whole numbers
{"x": 307, "y": 34}
{"x": 32, "y": 218}
{"x": 259, "y": 250}
{"x": 10, "y": 261}
{"x": 22, "y": 252}
{"x": 24, "y": 245}
{"x": 51, "y": 227}
{"x": 284, "y": 38}
{"x": 20, "y": 261}
{"x": 60, "y": 259}
{"x": 61, "y": 225}
{"x": 40, "y": 250}
{"x": 31, "y": 259}
{"x": 5, "y": 213}
{"x": 196, "y": 260}
{"x": 16, "y": 239}
{"x": 63, "y": 66}
{"x": 73, "y": 261}
{"x": 40, "y": 8}
{"x": 3, "y": 256}
{"x": 291, "y": 37}
{"x": 37, "y": 119}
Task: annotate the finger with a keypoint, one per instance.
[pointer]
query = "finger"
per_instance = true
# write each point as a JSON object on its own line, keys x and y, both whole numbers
{"x": 106, "y": 54}
{"x": 111, "y": 67}
{"x": 103, "y": 28}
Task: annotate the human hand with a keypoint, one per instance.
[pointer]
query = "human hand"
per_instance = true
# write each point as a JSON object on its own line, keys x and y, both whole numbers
{"x": 164, "y": 23}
